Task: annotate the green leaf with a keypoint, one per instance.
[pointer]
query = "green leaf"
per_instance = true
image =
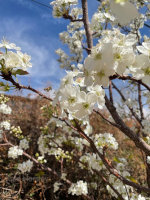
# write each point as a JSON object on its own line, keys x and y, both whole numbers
{"x": 132, "y": 179}
{"x": 20, "y": 72}
{"x": 40, "y": 173}
{"x": 117, "y": 160}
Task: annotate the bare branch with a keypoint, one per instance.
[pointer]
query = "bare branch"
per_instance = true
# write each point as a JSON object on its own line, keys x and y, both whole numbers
{"x": 124, "y": 99}
{"x": 110, "y": 91}
{"x": 129, "y": 78}
{"x": 139, "y": 142}
{"x": 102, "y": 116}
{"x": 8, "y": 77}
{"x": 66, "y": 16}
{"x": 86, "y": 25}
{"x": 140, "y": 102}
{"x": 147, "y": 25}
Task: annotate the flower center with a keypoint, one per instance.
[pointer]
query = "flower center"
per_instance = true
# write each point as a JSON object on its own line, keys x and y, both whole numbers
{"x": 101, "y": 74}
{"x": 71, "y": 100}
{"x": 85, "y": 105}
{"x": 147, "y": 71}
{"x": 98, "y": 56}
{"x": 117, "y": 56}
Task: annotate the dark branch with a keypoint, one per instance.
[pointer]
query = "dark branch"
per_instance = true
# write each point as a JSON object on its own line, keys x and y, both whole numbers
{"x": 139, "y": 142}
{"x": 129, "y": 78}
{"x": 86, "y": 25}
{"x": 8, "y": 77}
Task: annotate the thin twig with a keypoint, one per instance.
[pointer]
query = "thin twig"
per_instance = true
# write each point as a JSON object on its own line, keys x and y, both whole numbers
{"x": 140, "y": 102}
{"x": 102, "y": 116}
{"x": 124, "y": 99}
{"x": 129, "y": 78}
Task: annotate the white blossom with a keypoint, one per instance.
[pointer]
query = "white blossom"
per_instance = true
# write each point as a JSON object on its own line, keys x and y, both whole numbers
{"x": 5, "y": 44}
{"x": 5, "y": 109}
{"x": 145, "y": 48}
{"x": 78, "y": 188}
{"x": 25, "y": 166}
{"x": 14, "y": 152}
{"x": 124, "y": 12}
{"x": 24, "y": 144}
{"x": 5, "y": 125}
{"x": 56, "y": 186}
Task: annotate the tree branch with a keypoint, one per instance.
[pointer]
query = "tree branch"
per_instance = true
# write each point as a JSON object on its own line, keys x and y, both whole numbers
{"x": 110, "y": 91}
{"x": 129, "y": 78}
{"x": 66, "y": 16}
{"x": 111, "y": 123}
{"x": 140, "y": 102}
{"x": 139, "y": 142}
{"x": 106, "y": 162}
{"x": 86, "y": 25}
{"x": 124, "y": 99}
{"x": 8, "y": 77}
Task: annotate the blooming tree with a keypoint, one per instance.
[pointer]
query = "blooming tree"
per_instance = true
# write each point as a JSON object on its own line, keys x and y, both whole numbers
{"x": 107, "y": 68}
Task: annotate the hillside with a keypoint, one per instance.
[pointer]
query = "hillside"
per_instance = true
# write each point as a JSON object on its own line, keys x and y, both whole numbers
{"x": 28, "y": 115}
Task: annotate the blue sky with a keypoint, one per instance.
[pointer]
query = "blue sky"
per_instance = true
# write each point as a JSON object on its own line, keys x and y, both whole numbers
{"x": 33, "y": 28}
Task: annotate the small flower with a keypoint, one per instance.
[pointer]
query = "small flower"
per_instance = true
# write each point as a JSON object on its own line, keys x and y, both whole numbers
{"x": 5, "y": 125}
{"x": 25, "y": 60}
{"x": 56, "y": 186}
{"x": 14, "y": 152}
{"x": 145, "y": 48}
{"x": 24, "y": 144}
{"x": 5, "y": 44}
{"x": 25, "y": 166}
{"x": 78, "y": 188}
{"x": 5, "y": 109}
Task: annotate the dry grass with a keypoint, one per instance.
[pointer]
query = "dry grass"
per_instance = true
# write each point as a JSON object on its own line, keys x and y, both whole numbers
{"x": 38, "y": 186}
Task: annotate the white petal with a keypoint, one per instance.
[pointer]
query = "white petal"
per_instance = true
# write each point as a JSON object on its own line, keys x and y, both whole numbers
{"x": 124, "y": 13}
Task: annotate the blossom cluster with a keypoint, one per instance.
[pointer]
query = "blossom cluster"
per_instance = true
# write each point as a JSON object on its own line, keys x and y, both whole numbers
{"x": 125, "y": 190}
{"x": 6, "y": 110}
{"x": 78, "y": 188}
{"x": 116, "y": 54}
{"x": 14, "y": 152}
{"x": 60, "y": 7}
{"x": 25, "y": 166}
{"x": 5, "y": 126}
{"x": 12, "y": 59}
{"x": 107, "y": 59}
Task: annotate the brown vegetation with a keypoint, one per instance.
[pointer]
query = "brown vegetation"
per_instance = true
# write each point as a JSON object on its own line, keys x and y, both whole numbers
{"x": 39, "y": 184}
